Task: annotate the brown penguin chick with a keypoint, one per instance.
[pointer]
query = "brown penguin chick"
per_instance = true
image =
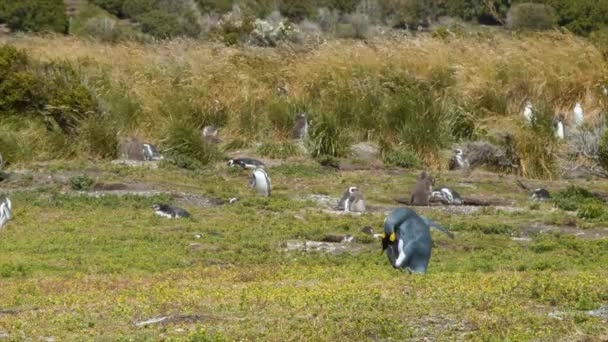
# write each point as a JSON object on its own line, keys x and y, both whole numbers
{"x": 300, "y": 128}
{"x": 422, "y": 190}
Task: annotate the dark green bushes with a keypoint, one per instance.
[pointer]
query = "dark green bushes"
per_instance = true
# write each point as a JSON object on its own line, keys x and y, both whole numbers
{"x": 531, "y": 16}
{"x": 34, "y": 15}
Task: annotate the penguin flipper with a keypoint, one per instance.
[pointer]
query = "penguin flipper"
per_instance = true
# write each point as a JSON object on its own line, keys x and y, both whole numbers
{"x": 437, "y": 226}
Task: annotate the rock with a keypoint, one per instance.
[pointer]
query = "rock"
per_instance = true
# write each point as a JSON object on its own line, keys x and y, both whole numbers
{"x": 365, "y": 151}
{"x": 151, "y": 321}
{"x": 131, "y": 148}
{"x": 602, "y": 312}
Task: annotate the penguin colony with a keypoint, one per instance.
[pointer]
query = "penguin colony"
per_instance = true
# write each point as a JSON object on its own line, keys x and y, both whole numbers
{"x": 406, "y": 239}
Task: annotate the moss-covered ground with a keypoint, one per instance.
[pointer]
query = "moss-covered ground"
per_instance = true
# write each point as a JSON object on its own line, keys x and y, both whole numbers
{"x": 74, "y": 266}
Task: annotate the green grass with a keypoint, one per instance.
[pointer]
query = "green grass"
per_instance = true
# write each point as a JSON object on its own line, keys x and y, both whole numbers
{"x": 78, "y": 267}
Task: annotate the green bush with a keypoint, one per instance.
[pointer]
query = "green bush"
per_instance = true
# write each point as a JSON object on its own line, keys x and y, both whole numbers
{"x": 573, "y": 197}
{"x": 590, "y": 210}
{"x": 531, "y": 16}
{"x": 603, "y": 151}
{"x": 34, "y": 15}
{"x": 98, "y": 134}
{"x": 19, "y": 85}
{"x": 185, "y": 147}
{"x": 112, "y": 6}
{"x": 81, "y": 183}
{"x": 402, "y": 158}
{"x": 278, "y": 150}
{"x": 599, "y": 38}
{"x": 326, "y": 138}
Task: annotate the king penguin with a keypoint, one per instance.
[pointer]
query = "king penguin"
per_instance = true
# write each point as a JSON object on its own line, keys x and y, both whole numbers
{"x": 261, "y": 181}
{"x": 407, "y": 240}
{"x": 6, "y": 210}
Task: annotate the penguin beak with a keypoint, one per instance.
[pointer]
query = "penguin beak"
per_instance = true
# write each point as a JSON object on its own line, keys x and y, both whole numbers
{"x": 387, "y": 240}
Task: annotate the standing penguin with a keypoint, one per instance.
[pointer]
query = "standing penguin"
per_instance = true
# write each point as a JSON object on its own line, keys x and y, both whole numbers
{"x": 6, "y": 210}
{"x": 458, "y": 160}
{"x": 345, "y": 197}
{"x": 407, "y": 239}
{"x": 558, "y": 124}
{"x": 261, "y": 181}
{"x": 300, "y": 128}
{"x": 355, "y": 201}
{"x": 528, "y": 111}
{"x": 422, "y": 190}
{"x": 578, "y": 115}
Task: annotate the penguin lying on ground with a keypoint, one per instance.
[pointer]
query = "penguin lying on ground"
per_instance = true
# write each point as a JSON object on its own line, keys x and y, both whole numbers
{"x": 261, "y": 182}
{"x": 6, "y": 210}
{"x": 539, "y": 194}
{"x": 447, "y": 196}
{"x": 407, "y": 239}
{"x": 151, "y": 153}
{"x": 246, "y": 163}
{"x": 169, "y": 211}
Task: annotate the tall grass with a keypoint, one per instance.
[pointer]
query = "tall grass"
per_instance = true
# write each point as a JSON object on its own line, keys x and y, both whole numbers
{"x": 420, "y": 92}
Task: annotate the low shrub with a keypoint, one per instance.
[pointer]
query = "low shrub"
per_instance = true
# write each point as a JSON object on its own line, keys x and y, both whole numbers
{"x": 35, "y": 15}
{"x": 531, "y": 16}
{"x": 81, "y": 183}
{"x": 326, "y": 138}
{"x": 402, "y": 157}
{"x": 573, "y": 197}
{"x": 185, "y": 148}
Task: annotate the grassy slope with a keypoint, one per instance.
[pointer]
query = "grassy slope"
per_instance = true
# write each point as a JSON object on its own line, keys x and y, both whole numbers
{"x": 76, "y": 267}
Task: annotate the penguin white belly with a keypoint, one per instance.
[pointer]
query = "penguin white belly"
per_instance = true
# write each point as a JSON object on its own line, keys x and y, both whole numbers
{"x": 402, "y": 255}
{"x": 163, "y": 214}
{"x": 262, "y": 184}
{"x": 560, "y": 131}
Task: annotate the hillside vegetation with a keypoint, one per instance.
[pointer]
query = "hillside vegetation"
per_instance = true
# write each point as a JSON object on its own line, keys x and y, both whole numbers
{"x": 66, "y": 97}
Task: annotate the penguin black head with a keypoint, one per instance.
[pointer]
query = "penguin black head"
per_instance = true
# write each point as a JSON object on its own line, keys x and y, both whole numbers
{"x": 156, "y": 207}
{"x": 387, "y": 240}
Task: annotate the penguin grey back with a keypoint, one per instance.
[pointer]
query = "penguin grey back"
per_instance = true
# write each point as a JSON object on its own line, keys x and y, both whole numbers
{"x": 261, "y": 182}
{"x": 422, "y": 190}
{"x": 300, "y": 128}
{"x": 355, "y": 202}
{"x": 131, "y": 148}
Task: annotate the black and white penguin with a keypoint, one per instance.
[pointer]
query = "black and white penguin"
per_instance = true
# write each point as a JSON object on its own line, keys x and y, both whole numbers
{"x": 169, "y": 211}
{"x": 261, "y": 182}
{"x": 458, "y": 160}
{"x": 345, "y": 196}
{"x": 300, "y": 128}
{"x": 211, "y": 134}
{"x": 447, "y": 196}
{"x": 355, "y": 201}
{"x": 578, "y": 115}
{"x": 528, "y": 112}
{"x": 407, "y": 240}
{"x": 539, "y": 194}
{"x": 151, "y": 153}
{"x": 558, "y": 126}
{"x": 6, "y": 211}
{"x": 246, "y": 163}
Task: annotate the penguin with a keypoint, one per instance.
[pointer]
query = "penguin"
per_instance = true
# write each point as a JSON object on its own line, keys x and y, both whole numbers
{"x": 355, "y": 201}
{"x": 422, "y": 190}
{"x": 345, "y": 197}
{"x": 169, "y": 211}
{"x": 300, "y": 128}
{"x": 578, "y": 114}
{"x": 261, "y": 181}
{"x": 558, "y": 124}
{"x": 6, "y": 211}
{"x": 246, "y": 163}
{"x": 539, "y": 194}
{"x": 528, "y": 112}
{"x": 458, "y": 161}
{"x": 407, "y": 240}
{"x": 210, "y": 134}
{"x": 447, "y": 196}
{"x": 151, "y": 153}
